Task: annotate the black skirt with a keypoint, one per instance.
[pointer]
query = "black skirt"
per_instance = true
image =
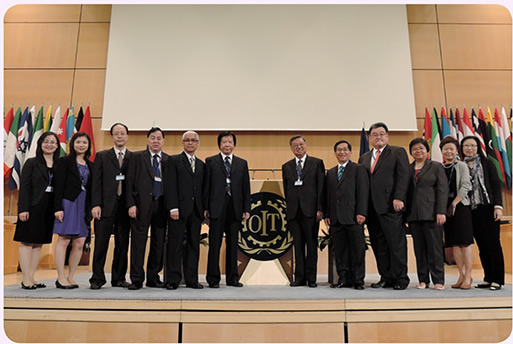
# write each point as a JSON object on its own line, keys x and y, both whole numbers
{"x": 39, "y": 227}
{"x": 458, "y": 228}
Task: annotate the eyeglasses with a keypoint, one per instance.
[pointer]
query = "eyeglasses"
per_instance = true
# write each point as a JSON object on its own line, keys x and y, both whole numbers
{"x": 469, "y": 146}
{"x": 378, "y": 134}
{"x": 190, "y": 140}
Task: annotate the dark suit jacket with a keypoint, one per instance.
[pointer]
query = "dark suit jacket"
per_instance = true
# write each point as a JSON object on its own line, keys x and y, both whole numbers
{"x": 427, "y": 196}
{"x": 492, "y": 181}
{"x": 390, "y": 178}
{"x": 104, "y": 186}
{"x": 139, "y": 188}
{"x": 349, "y": 196}
{"x": 310, "y": 196}
{"x": 183, "y": 189}
{"x": 34, "y": 180}
{"x": 68, "y": 184}
{"x": 215, "y": 181}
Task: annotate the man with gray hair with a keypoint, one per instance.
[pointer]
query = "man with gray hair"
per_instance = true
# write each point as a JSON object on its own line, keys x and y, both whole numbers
{"x": 183, "y": 191}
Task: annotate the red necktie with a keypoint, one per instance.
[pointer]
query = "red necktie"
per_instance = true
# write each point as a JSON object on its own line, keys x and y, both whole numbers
{"x": 375, "y": 161}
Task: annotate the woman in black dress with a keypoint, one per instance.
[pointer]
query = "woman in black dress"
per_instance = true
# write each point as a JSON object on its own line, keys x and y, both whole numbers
{"x": 458, "y": 227}
{"x": 486, "y": 207}
{"x": 35, "y": 212}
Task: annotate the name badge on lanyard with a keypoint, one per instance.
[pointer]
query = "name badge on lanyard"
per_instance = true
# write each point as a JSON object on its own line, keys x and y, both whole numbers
{"x": 158, "y": 179}
{"x": 49, "y": 188}
{"x": 120, "y": 177}
{"x": 298, "y": 182}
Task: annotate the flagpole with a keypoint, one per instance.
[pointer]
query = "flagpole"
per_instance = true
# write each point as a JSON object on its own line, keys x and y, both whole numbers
{"x": 10, "y": 205}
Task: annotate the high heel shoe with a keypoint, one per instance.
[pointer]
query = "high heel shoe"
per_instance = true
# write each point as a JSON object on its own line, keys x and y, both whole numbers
{"x": 467, "y": 286}
{"x": 28, "y": 287}
{"x": 60, "y": 286}
{"x": 457, "y": 285}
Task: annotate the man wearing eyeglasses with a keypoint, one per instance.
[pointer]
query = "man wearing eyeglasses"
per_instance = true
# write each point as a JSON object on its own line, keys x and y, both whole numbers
{"x": 183, "y": 192}
{"x": 388, "y": 169}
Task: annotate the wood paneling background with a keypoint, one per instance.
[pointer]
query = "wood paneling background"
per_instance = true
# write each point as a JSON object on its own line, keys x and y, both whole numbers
{"x": 56, "y": 54}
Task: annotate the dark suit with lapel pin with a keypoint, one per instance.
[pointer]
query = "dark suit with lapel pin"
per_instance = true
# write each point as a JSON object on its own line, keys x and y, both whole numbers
{"x": 184, "y": 191}
{"x": 388, "y": 181}
{"x": 347, "y": 198}
{"x": 151, "y": 211}
{"x": 114, "y": 216}
{"x": 303, "y": 202}
{"x": 225, "y": 213}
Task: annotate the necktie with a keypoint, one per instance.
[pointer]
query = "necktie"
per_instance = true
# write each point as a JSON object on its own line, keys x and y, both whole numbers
{"x": 299, "y": 169}
{"x": 193, "y": 165}
{"x": 228, "y": 168}
{"x": 120, "y": 161}
{"x": 156, "y": 172}
{"x": 375, "y": 160}
{"x": 340, "y": 171}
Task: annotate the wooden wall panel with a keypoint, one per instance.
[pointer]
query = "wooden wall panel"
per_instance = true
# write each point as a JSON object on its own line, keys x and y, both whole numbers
{"x": 473, "y": 88}
{"x": 88, "y": 90}
{"x": 36, "y": 87}
{"x": 421, "y": 13}
{"x": 475, "y": 14}
{"x": 34, "y": 45}
{"x": 42, "y": 14}
{"x": 424, "y": 46}
{"x": 92, "y": 45}
{"x": 96, "y": 13}
{"x": 476, "y": 46}
{"x": 429, "y": 90}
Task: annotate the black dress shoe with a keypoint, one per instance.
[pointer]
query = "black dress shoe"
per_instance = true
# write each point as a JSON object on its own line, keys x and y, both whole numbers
{"x": 484, "y": 285}
{"x": 122, "y": 284}
{"x": 213, "y": 285}
{"x": 297, "y": 284}
{"x": 156, "y": 284}
{"x": 312, "y": 284}
{"x": 380, "y": 284}
{"x": 172, "y": 286}
{"x": 95, "y": 286}
{"x": 398, "y": 286}
{"x": 359, "y": 287}
{"x": 236, "y": 284}
{"x": 194, "y": 285}
{"x": 60, "y": 286}
{"x": 134, "y": 286}
{"x": 28, "y": 287}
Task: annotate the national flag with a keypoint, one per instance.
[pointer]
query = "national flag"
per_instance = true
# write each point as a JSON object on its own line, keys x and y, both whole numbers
{"x": 475, "y": 120}
{"x": 364, "y": 144}
{"x": 446, "y": 128}
{"x": 48, "y": 119}
{"x": 78, "y": 121}
{"x": 87, "y": 127}
{"x": 7, "y": 124}
{"x": 70, "y": 127}
{"x": 426, "y": 133}
{"x": 501, "y": 139}
{"x": 436, "y": 153}
{"x": 468, "y": 129}
{"x": 482, "y": 131}
{"x": 494, "y": 152}
{"x": 38, "y": 131}
{"x": 452, "y": 123}
{"x": 459, "y": 125}
{"x": 61, "y": 133}
{"x": 507, "y": 135}
{"x": 11, "y": 146}
{"x": 23, "y": 146}
{"x": 56, "y": 123}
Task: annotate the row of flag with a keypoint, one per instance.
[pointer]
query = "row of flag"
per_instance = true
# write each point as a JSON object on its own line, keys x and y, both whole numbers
{"x": 493, "y": 132}
{"x": 23, "y": 129}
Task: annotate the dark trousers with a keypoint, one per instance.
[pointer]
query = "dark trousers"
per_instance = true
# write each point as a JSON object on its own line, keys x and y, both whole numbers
{"x": 305, "y": 231}
{"x": 428, "y": 246}
{"x": 388, "y": 241}
{"x": 228, "y": 224}
{"x": 119, "y": 225}
{"x": 488, "y": 239}
{"x": 156, "y": 218}
{"x": 184, "y": 229}
{"x": 349, "y": 244}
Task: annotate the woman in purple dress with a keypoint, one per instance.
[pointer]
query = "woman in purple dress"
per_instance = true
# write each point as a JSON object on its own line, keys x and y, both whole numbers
{"x": 71, "y": 203}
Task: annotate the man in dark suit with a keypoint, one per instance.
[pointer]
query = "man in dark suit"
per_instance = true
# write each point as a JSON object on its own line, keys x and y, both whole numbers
{"x": 227, "y": 203}
{"x": 183, "y": 193}
{"x": 109, "y": 209}
{"x": 146, "y": 207}
{"x": 347, "y": 186}
{"x": 303, "y": 184}
{"x": 388, "y": 168}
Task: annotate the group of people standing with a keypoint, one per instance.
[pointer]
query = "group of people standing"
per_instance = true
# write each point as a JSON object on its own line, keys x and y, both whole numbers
{"x": 127, "y": 193}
